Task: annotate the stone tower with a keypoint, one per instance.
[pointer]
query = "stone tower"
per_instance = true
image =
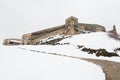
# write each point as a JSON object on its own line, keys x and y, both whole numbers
{"x": 71, "y": 26}
{"x": 113, "y": 31}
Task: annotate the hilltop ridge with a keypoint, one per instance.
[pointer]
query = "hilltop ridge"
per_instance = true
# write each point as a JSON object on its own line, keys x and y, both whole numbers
{"x": 71, "y": 27}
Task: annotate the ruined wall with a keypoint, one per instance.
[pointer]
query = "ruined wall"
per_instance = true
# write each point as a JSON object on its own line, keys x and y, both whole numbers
{"x": 13, "y": 41}
{"x": 92, "y": 27}
{"x": 53, "y": 33}
{"x": 35, "y": 37}
{"x": 71, "y": 27}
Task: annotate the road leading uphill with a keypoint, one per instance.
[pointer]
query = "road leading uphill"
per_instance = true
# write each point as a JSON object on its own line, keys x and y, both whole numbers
{"x": 111, "y": 69}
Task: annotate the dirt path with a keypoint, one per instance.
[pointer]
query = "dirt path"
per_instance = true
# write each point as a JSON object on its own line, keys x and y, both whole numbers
{"x": 111, "y": 69}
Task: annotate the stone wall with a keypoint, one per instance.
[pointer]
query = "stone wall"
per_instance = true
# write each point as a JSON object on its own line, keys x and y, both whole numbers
{"x": 71, "y": 27}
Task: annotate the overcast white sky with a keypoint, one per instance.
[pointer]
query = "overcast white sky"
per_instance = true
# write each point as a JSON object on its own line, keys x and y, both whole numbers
{"x": 22, "y": 16}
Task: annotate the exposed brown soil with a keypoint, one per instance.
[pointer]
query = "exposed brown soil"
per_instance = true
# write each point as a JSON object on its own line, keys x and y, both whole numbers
{"x": 111, "y": 69}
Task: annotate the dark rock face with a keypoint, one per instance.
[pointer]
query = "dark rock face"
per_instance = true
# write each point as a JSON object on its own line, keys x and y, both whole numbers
{"x": 98, "y": 52}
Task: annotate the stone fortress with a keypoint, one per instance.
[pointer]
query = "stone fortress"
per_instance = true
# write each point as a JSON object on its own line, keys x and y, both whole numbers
{"x": 71, "y": 27}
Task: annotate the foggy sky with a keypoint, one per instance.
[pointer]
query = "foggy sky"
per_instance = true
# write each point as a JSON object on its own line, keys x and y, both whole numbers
{"x": 22, "y": 16}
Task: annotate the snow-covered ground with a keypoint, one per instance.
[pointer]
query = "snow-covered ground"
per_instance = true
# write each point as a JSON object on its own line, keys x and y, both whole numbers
{"x": 16, "y": 20}
{"x": 68, "y": 50}
{"x": 19, "y": 64}
{"x": 94, "y": 40}
{"x": 36, "y": 62}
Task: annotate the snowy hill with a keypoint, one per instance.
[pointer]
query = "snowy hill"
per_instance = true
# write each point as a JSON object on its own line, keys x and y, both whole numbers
{"x": 57, "y": 62}
{"x": 18, "y": 64}
{"x": 59, "y": 58}
{"x": 94, "y": 40}
{"x": 47, "y": 62}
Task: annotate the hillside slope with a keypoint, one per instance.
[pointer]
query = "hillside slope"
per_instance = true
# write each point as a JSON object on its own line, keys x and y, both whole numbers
{"x": 30, "y": 62}
{"x": 94, "y": 40}
{"x": 99, "y": 43}
{"x": 18, "y": 64}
